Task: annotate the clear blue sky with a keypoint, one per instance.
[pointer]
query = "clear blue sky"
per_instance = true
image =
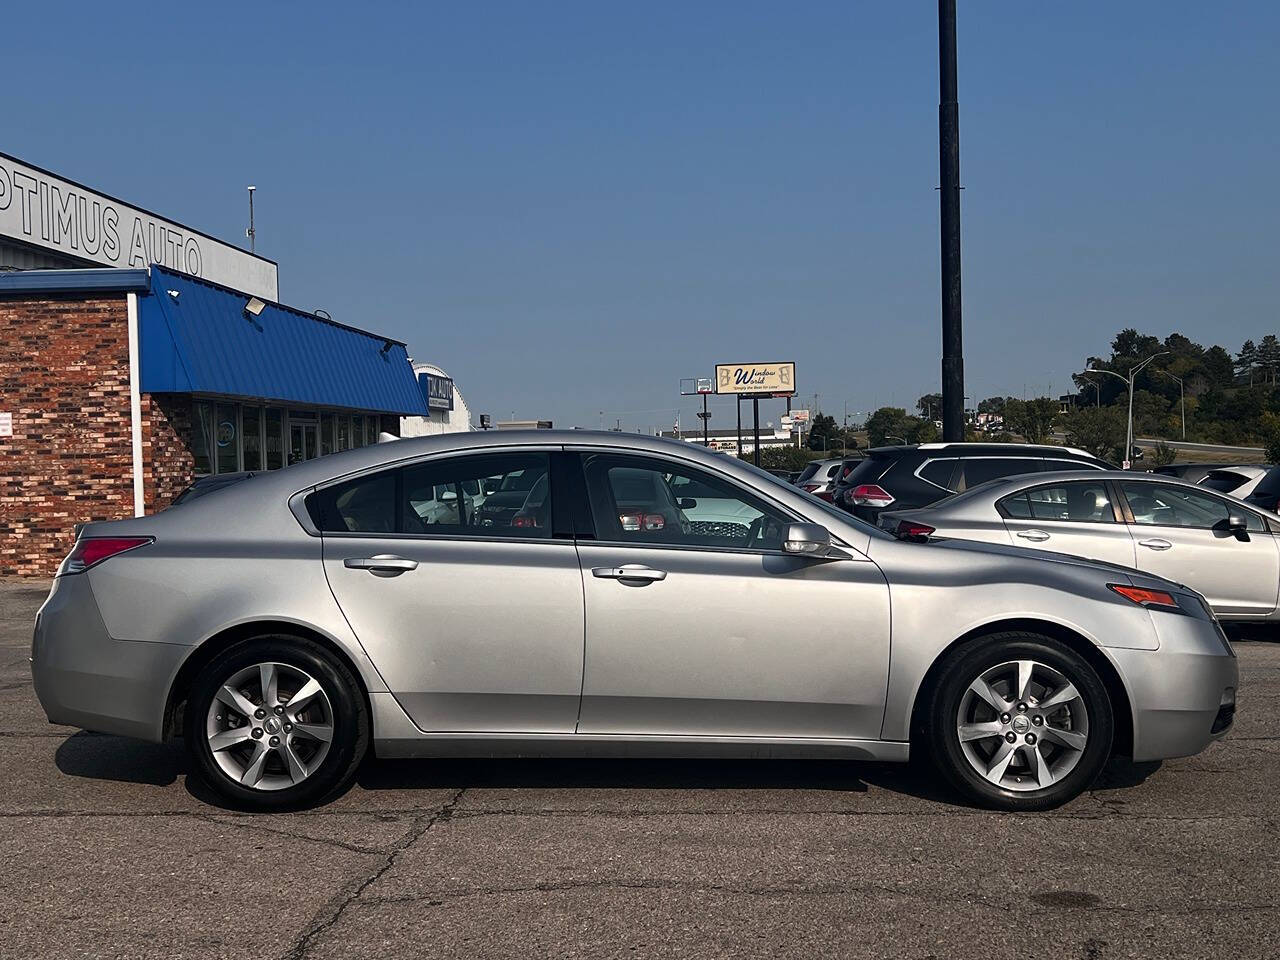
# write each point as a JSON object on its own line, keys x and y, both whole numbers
{"x": 570, "y": 206}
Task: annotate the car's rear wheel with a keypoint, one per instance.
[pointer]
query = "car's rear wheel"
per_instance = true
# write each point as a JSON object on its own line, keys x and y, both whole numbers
{"x": 1019, "y": 721}
{"x": 276, "y": 723}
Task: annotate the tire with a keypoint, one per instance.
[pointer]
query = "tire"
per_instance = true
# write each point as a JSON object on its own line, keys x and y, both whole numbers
{"x": 278, "y": 758}
{"x": 1056, "y": 753}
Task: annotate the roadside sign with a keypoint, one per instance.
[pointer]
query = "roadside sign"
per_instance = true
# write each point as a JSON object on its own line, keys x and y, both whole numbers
{"x": 769, "y": 379}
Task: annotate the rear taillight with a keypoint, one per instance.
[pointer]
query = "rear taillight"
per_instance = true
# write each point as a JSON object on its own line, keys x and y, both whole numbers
{"x": 90, "y": 551}
{"x": 911, "y": 530}
{"x": 1145, "y": 597}
{"x": 870, "y": 495}
{"x": 524, "y": 520}
{"x": 635, "y": 522}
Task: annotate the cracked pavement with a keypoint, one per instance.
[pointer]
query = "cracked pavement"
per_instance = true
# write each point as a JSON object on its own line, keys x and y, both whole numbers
{"x": 108, "y": 850}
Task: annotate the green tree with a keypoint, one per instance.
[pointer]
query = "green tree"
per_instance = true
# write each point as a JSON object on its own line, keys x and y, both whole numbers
{"x": 1217, "y": 367}
{"x": 1247, "y": 358}
{"x": 992, "y": 405}
{"x": 1032, "y": 419}
{"x": 1269, "y": 356}
{"x": 891, "y": 425}
{"x": 1163, "y": 455}
{"x": 823, "y": 434}
{"x": 930, "y": 406}
{"x": 1100, "y": 430}
{"x": 782, "y": 458}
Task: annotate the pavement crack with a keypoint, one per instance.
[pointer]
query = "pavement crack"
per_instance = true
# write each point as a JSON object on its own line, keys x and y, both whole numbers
{"x": 255, "y": 825}
{"x": 338, "y": 905}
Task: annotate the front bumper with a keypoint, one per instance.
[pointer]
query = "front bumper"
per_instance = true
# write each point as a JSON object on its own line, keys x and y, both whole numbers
{"x": 84, "y": 678}
{"x": 1183, "y": 694}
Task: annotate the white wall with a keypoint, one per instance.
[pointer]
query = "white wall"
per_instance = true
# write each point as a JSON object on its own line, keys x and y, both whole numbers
{"x": 457, "y": 420}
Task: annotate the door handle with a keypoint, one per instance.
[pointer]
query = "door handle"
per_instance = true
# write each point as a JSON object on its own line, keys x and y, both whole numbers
{"x": 629, "y": 571}
{"x": 383, "y": 563}
{"x": 1155, "y": 543}
{"x": 1036, "y": 536}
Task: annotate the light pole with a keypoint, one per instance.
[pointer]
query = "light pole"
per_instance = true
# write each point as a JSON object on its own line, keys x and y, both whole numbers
{"x": 1133, "y": 373}
{"x": 1182, "y": 399}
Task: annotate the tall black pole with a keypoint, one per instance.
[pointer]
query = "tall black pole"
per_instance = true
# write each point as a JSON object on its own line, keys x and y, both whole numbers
{"x": 706, "y": 420}
{"x": 949, "y": 162}
{"x": 737, "y": 402}
{"x": 755, "y": 411}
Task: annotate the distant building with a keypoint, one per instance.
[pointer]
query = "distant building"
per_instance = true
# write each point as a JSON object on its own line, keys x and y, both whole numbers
{"x": 726, "y": 441}
{"x": 524, "y": 424}
{"x": 447, "y": 412}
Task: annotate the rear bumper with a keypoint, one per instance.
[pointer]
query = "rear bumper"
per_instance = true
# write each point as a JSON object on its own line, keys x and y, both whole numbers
{"x": 1183, "y": 694}
{"x": 84, "y": 678}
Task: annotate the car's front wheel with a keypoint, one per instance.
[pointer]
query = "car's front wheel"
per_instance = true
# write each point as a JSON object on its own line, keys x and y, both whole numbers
{"x": 1019, "y": 721}
{"x": 275, "y": 723}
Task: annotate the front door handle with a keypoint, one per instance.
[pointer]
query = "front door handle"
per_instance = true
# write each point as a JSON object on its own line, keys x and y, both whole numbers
{"x": 1036, "y": 536}
{"x": 629, "y": 571}
{"x": 1155, "y": 543}
{"x": 383, "y": 563}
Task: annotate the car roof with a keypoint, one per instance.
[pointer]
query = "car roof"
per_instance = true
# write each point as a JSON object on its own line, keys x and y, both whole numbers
{"x": 968, "y": 448}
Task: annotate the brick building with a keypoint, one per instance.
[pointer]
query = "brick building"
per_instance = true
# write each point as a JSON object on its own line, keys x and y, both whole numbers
{"x": 119, "y": 387}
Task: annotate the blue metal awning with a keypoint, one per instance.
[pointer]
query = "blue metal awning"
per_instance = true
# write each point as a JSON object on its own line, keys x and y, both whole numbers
{"x": 198, "y": 337}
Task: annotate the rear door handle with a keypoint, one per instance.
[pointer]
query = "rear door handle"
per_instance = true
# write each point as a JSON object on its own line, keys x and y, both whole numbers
{"x": 1155, "y": 543}
{"x": 1037, "y": 536}
{"x": 383, "y": 563}
{"x": 629, "y": 571}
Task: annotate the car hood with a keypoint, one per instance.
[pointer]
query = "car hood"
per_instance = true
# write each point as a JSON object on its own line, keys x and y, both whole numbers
{"x": 1033, "y": 555}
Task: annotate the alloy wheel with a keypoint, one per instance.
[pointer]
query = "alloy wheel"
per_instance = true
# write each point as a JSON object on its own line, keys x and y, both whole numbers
{"x": 1022, "y": 725}
{"x": 269, "y": 726}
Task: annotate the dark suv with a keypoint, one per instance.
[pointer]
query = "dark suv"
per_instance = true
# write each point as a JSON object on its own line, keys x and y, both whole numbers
{"x": 916, "y": 476}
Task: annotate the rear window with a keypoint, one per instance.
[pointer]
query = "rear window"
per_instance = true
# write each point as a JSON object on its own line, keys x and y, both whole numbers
{"x": 1224, "y": 481}
{"x": 869, "y": 470}
{"x": 807, "y": 472}
{"x": 981, "y": 469}
{"x": 938, "y": 472}
{"x": 1269, "y": 486}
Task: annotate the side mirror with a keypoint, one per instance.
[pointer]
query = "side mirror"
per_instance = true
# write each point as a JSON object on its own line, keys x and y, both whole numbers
{"x": 1238, "y": 526}
{"x": 806, "y": 539}
{"x": 686, "y": 503}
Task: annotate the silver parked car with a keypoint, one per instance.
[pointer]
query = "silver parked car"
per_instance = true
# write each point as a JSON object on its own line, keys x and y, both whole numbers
{"x": 286, "y": 624}
{"x": 1224, "y": 549}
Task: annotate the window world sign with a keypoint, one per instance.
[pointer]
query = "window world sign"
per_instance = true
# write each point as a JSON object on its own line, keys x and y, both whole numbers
{"x": 771, "y": 379}
{"x": 44, "y": 210}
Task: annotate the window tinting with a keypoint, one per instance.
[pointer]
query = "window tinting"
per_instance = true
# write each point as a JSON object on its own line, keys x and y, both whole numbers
{"x": 226, "y": 436}
{"x": 1157, "y": 505}
{"x": 648, "y": 501}
{"x": 251, "y": 430}
{"x": 201, "y": 436}
{"x": 1083, "y": 502}
{"x": 461, "y": 496}
{"x": 273, "y": 440}
{"x": 1224, "y": 481}
{"x": 981, "y": 469}
{"x": 938, "y": 472}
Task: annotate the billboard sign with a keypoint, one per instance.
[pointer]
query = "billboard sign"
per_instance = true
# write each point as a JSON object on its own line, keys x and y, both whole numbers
{"x": 770, "y": 379}
{"x": 437, "y": 390}
{"x": 46, "y": 211}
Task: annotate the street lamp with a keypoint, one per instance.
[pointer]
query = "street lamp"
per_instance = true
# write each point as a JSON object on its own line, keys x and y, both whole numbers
{"x": 890, "y": 436}
{"x": 1133, "y": 373}
{"x": 1182, "y": 399}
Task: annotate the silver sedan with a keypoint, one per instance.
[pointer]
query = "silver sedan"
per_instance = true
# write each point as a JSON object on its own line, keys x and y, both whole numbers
{"x": 287, "y": 624}
{"x": 1222, "y": 548}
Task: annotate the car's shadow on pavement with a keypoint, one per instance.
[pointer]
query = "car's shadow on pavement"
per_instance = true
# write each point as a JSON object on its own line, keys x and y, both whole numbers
{"x": 98, "y": 757}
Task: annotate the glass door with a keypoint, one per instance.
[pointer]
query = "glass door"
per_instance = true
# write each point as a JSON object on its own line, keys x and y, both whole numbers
{"x": 304, "y": 441}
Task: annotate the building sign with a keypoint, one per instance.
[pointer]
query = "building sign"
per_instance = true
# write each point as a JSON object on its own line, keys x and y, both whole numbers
{"x": 46, "y": 211}
{"x": 775, "y": 379}
{"x": 438, "y": 391}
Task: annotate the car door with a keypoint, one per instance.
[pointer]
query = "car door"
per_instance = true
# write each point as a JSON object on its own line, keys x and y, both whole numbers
{"x": 1181, "y": 533}
{"x": 1076, "y": 517}
{"x": 710, "y": 629}
{"x": 475, "y": 624}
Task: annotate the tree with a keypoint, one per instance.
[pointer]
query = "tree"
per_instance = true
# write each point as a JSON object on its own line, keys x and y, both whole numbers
{"x": 930, "y": 406}
{"x": 781, "y": 458}
{"x": 992, "y": 405}
{"x": 1100, "y": 430}
{"x": 1218, "y": 369}
{"x": 1033, "y": 419}
{"x": 1163, "y": 455}
{"x": 1269, "y": 355}
{"x": 888, "y": 422}
{"x": 1246, "y": 358}
{"x": 822, "y": 433}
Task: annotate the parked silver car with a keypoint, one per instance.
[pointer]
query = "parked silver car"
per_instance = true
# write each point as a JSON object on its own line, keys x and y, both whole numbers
{"x": 1222, "y": 548}
{"x": 289, "y": 622}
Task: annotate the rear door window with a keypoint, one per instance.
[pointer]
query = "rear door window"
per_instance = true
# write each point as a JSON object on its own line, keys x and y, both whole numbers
{"x": 938, "y": 472}
{"x": 978, "y": 470}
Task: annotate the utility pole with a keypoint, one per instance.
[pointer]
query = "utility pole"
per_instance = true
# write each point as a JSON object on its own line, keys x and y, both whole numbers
{"x": 949, "y": 204}
{"x": 251, "y": 233}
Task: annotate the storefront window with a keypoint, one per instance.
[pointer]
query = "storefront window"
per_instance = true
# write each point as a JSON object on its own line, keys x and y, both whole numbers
{"x": 201, "y": 430}
{"x": 226, "y": 434}
{"x": 357, "y": 431}
{"x": 251, "y": 437}
{"x": 273, "y": 441}
{"x": 326, "y": 434}
{"x": 371, "y": 430}
{"x": 344, "y": 431}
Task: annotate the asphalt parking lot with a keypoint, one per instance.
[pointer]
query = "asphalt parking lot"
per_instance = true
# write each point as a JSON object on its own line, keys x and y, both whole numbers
{"x": 107, "y": 850}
